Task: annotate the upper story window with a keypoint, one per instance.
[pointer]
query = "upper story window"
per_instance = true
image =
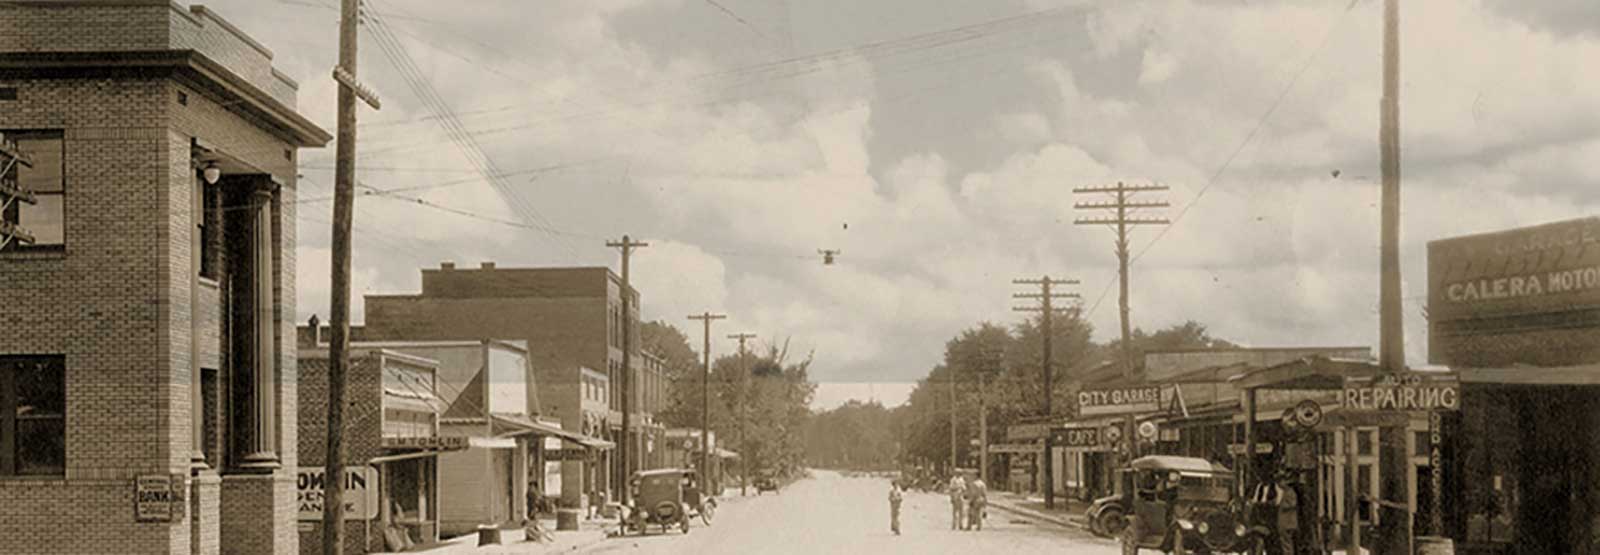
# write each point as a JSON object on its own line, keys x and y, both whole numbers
{"x": 32, "y": 415}
{"x": 45, "y": 219}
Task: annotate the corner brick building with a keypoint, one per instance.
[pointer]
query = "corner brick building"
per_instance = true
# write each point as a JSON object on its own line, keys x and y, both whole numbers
{"x": 147, "y": 363}
{"x": 571, "y": 319}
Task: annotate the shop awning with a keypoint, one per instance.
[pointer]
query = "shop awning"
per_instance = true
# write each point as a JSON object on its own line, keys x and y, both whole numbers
{"x": 1588, "y": 374}
{"x": 523, "y": 425}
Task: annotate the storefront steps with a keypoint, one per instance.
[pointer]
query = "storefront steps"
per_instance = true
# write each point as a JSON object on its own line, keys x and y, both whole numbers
{"x": 1068, "y": 512}
{"x": 514, "y": 541}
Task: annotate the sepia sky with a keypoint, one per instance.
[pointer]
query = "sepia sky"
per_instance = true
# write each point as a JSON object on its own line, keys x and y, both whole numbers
{"x": 936, "y": 143}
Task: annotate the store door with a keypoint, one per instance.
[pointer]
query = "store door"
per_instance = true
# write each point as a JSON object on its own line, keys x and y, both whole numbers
{"x": 1555, "y": 473}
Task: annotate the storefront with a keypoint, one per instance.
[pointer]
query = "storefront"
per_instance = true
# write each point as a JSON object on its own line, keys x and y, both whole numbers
{"x": 392, "y": 447}
{"x": 1517, "y": 314}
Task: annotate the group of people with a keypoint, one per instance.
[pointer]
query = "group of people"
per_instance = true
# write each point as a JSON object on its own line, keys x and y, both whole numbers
{"x": 968, "y": 501}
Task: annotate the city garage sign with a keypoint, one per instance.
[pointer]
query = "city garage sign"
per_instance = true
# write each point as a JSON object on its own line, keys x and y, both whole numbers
{"x": 1119, "y": 400}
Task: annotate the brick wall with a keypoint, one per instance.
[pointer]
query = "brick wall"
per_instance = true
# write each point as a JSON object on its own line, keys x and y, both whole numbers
{"x": 117, "y": 301}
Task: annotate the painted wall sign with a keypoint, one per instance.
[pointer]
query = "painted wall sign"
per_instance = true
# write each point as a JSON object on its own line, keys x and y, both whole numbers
{"x": 360, "y": 492}
{"x": 156, "y": 498}
{"x": 1119, "y": 400}
{"x": 1545, "y": 268}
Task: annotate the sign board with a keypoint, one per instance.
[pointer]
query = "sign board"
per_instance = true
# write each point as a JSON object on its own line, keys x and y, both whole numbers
{"x": 1017, "y": 448}
{"x": 360, "y": 492}
{"x": 1079, "y": 439}
{"x": 1402, "y": 393}
{"x": 1025, "y": 432}
{"x": 1531, "y": 270}
{"x": 1261, "y": 448}
{"x": 552, "y": 478}
{"x": 445, "y": 443}
{"x": 157, "y": 498}
{"x": 1119, "y": 400}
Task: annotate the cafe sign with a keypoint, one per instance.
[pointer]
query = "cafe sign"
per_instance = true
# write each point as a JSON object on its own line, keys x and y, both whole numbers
{"x": 1119, "y": 400}
{"x": 1077, "y": 439}
{"x": 1402, "y": 393}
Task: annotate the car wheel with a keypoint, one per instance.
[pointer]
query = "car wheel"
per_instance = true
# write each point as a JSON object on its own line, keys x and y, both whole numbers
{"x": 707, "y": 511}
{"x": 1111, "y": 521}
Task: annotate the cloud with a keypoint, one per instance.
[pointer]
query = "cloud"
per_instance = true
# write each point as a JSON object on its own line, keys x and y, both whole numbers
{"x": 945, "y": 168}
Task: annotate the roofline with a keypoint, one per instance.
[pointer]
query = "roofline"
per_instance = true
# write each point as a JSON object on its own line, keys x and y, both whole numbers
{"x": 190, "y": 63}
{"x": 357, "y": 350}
{"x": 1259, "y": 349}
{"x": 402, "y": 344}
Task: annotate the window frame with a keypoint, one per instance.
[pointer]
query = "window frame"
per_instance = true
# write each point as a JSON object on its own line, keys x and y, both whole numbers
{"x": 14, "y": 212}
{"x": 10, "y": 461}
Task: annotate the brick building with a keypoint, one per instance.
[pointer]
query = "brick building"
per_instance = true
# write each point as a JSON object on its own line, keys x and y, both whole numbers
{"x": 148, "y": 342}
{"x": 391, "y": 447}
{"x": 571, "y": 319}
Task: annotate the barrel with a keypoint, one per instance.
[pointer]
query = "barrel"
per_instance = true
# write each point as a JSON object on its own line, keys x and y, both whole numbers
{"x": 1434, "y": 545}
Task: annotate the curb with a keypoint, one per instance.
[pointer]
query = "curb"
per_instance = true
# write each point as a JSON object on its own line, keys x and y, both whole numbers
{"x": 1068, "y": 522}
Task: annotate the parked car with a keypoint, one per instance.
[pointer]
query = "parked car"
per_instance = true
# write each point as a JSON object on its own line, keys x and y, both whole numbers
{"x": 1178, "y": 499}
{"x": 766, "y": 483}
{"x": 667, "y": 497}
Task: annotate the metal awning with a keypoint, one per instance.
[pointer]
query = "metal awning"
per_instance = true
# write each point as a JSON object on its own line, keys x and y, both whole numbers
{"x": 525, "y": 425}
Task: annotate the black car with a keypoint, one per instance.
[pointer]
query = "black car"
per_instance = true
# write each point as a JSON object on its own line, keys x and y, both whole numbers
{"x": 766, "y": 483}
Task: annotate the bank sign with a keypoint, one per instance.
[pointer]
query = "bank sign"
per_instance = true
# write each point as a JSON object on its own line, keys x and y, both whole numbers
{"x": 360, "y": 492}
{"x": 1119, "y": 400}
{"x": 1546, "y": 268}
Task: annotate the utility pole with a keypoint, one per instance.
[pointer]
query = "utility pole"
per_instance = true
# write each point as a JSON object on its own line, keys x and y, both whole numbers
{"x": 344, "y": 181}
{"x": 705, "y": 398}
{"x": 1122, "y": 219}
{"x": 625, "y": 447}
{"x": 1394, "y": 458}
{"x": 983, "y": 428}
{"x": 1047, "y": 311}
{"x": 744, "y": 410}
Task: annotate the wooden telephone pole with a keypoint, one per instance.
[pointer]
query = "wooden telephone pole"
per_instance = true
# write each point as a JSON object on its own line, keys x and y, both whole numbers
{"x": 1047, "y": 311}
{"x": 1121, "y": 219}
{"x": 344, "y": 186}
{"x": 625, "y": 444}
{"x": 744, "y": 412}
{"x": 1394, "y": 459}
{"x": 705, "y": 399}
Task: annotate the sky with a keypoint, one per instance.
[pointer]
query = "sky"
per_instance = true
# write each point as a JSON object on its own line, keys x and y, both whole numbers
{"x": 936, "y": 144}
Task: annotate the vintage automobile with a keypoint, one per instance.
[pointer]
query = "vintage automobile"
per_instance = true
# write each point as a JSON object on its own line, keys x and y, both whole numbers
{"x": 766, "y": 483}
{"x": 667, "y": 497}
{"x": 1182, "y": 502}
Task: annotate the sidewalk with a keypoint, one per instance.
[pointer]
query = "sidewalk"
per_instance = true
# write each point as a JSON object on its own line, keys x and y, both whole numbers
{"x": 512, "y": 541}
{"x": 1068, "y": 512}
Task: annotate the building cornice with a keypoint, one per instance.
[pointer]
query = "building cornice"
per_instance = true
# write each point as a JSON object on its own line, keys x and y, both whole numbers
{"x": 201, "y": 70}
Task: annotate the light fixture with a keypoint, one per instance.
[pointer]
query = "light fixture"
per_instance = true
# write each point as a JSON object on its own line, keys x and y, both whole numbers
{"x": 211, "y": 173}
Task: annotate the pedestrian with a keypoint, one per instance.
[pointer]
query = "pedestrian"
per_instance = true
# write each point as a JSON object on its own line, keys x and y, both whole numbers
{"x": 977, "y": 501}
{"x": 1277, "y": 505}
{"x": 895, "y": 497}
{"x": 958, "y": 491}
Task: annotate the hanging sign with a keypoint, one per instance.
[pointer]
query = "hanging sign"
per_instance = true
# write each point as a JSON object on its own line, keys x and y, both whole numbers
{"x": 1075, "y": 437}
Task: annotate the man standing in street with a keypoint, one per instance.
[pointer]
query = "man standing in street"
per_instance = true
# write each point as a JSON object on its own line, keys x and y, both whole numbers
{"x": 895, "y": 497}
{"x": 958, "y": 491}
{"x": 977, "y": 499}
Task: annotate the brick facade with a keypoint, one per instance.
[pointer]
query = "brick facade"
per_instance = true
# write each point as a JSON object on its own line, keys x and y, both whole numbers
{"x": 120, "y": 301}
{"x": 570, "y": 318}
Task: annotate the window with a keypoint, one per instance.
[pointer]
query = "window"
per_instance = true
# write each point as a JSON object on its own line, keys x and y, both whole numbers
{"x": 202, "y": 198}
{"x": 32, "y": 415}
{"x": 45, "y": 219}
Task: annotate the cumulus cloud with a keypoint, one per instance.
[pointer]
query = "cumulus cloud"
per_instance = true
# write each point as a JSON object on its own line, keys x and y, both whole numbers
{"x": 945, "y": 169}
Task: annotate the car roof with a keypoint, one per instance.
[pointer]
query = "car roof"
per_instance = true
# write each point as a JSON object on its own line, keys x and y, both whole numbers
{"x": 1181, "y": 464}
